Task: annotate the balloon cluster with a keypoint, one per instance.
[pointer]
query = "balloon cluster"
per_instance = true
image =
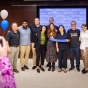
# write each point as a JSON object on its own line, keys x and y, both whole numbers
{"x": 4, "y": 23}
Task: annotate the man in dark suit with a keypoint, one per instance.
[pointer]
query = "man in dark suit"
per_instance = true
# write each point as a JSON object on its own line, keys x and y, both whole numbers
{"x": 35, "y": 28}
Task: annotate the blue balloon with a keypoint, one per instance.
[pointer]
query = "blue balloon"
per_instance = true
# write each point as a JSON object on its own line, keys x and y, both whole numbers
{"x": 4, "y": 24}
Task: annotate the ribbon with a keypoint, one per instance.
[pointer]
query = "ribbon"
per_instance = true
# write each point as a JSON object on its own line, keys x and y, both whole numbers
{"x": 57, "y": 40}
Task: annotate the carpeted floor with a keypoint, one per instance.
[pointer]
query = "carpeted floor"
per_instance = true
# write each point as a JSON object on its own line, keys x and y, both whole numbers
{"x": 31, "y": 79}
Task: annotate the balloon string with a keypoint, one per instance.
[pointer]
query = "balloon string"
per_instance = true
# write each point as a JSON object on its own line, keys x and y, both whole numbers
{"x": 3, "y": 33}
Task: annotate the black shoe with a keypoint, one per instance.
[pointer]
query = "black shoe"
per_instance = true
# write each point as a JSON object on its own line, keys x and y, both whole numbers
{"x": 26, "y": 67}
{"x": 22, "y": 68}
{"x": 47, "y": 65}
{"x": 53, "y": 69}
{"x": 49, "y": 68}
{"x": 72, "y": 68}
{"x": 38, "y": 70}
{"x": 78, "y": 69}
{"x": 34, "y": 67}
{"x": 42, "y": 69}
{"x": 84, "y": 71}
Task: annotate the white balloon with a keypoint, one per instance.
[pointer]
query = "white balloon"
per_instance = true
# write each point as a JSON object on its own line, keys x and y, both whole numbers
{"x": 4, "y": 14}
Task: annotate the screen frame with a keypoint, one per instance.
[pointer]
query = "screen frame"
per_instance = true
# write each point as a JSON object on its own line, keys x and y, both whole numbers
{"x": 56, "y": 7}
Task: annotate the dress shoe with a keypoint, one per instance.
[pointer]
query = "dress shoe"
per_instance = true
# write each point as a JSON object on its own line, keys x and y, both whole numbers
{"x": 78, "y": 69}
{"x": 38, "y": 70}
{"x": 42, "y": 69}
{"x": 34, "y": 67}
{"x": 84, "y": 71}
{"x": 26, "y": 67}
{"x": 72, "y": 68}
{"x": 49, "y": 68}
{"x": 47, "y": 65}
{"x": 53, "y": 69}
{"x": 22, "y": 68}
{"x": 15, "y": 70}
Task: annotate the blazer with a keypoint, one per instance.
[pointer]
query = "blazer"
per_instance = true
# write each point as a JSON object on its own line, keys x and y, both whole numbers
{"x": 38, "y": 40}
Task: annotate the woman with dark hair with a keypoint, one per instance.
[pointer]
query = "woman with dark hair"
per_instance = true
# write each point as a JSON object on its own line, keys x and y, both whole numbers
{"x": 40, "y": 46}
{"x": 62, "y": 49}
{"x": 51, "y": 56}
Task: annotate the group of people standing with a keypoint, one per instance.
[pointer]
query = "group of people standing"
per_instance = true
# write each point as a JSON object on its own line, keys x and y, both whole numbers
{"x": 38, "y": 37}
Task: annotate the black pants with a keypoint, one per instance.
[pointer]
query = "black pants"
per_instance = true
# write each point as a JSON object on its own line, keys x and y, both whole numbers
{"x": 40, "y": 54}
{"x": 62, "y": 56}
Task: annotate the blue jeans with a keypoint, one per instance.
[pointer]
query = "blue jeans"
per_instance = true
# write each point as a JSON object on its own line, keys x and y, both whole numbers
{"x": 76, "y": 52}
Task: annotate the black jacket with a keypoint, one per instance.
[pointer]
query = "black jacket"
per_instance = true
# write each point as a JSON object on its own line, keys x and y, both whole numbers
{"x": 38, "y": 41}
{"x": 34, "y": 30}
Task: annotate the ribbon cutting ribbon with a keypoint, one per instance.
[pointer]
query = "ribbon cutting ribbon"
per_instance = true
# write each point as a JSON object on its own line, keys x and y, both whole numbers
{"x": 58, "y": 40}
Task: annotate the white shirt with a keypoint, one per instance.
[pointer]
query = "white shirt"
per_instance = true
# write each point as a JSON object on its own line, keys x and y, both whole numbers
{"x": 84, "y": 40}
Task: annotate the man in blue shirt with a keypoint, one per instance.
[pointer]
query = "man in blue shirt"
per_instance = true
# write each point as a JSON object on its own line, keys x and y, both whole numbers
{"x": 25, "y": 44}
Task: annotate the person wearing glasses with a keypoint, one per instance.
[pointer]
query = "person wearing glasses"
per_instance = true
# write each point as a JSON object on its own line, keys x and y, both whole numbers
{"x": 73, "y": 35}
{"x": 25, "y": 44}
